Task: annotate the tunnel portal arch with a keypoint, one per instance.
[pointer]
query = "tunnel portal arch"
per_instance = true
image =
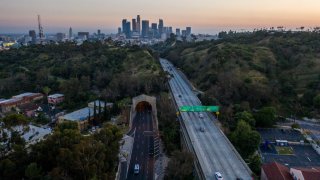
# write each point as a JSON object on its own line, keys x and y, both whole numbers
{"x": 141, "y": 102}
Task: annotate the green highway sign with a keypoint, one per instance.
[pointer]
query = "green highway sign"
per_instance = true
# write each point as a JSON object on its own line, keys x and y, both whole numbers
{"x": 199, "y": 108}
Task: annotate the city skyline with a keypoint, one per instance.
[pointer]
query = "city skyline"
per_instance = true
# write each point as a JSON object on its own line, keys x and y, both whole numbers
{"x": 206, "y": 17}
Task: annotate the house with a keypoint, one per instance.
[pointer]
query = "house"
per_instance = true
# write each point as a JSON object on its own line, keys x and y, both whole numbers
{"x": 305, "y": 173}
{"x": 275, "y": 171}
{"x": 55, "y": 98}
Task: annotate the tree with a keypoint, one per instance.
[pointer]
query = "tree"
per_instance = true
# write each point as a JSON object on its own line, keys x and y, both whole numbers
{"x": 180, "y": 166}
{"x": 245, "y": 139}
{"x": 245, "y": 116}
{"x": 316, "y": 101}
{"x": 295, "y": 126}
{"x": 255, "y": 164}
{"x": 266, "y": 117}
{"x": 33, "y": 171}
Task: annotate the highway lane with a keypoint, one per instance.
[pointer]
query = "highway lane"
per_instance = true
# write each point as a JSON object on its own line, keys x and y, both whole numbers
{"x": 143, "y": 145}
{"x": 213, "y": 150}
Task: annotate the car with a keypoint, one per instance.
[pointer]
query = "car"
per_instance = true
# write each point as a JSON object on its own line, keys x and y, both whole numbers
{"x": 200, "y": 115}
{"x": 218, "y": 176}
{"x": 136, "y": 169}
{"x": 180, "y": 95}
{"x": 202, "y": 129}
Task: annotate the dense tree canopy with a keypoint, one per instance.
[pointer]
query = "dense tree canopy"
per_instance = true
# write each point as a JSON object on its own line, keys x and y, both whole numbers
{"x": 66, "y": 154}
{"x": 245, "y": 139}
{"x": 82, "y": 73}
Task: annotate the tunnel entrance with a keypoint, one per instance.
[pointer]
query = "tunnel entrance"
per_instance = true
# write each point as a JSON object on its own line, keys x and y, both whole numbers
{"x": 142, "y": 103}
{"x": 143, "y": 106}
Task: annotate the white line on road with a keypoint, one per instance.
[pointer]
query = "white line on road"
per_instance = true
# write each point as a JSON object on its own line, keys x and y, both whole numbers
{"x": 309, "y": 159}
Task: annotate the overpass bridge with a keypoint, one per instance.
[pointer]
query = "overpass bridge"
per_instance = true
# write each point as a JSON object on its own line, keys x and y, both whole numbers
{"x": 212, "y": 150}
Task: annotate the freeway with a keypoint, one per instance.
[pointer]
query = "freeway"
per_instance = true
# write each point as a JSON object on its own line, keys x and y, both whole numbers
{"x": 142, "y": 152}
{"x": 212, "y": 149}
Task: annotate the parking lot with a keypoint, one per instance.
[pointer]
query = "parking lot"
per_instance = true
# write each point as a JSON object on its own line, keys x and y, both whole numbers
{"x": 280, "y": 134}
{"x": 304, "y": 156}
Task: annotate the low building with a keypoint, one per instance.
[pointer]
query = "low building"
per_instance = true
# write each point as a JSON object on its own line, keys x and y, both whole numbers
{"x": 8, "y": 104}
{"x": 275, "y": 171}
{"x": 82, "y": 117}
{"x": 28, "y": 97}
{"x": 55, "y": 98}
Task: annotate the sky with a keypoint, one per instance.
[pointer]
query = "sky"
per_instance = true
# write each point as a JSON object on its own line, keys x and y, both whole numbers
{"x": 204, "y": 16}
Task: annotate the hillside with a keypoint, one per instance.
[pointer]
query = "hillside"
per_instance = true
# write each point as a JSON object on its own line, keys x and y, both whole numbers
{"x": 82, "y": 73}
{"x": 249, "y": 71}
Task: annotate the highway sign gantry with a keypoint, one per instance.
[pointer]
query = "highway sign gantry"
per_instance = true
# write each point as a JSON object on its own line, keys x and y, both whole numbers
{"x": 199, "y": 108}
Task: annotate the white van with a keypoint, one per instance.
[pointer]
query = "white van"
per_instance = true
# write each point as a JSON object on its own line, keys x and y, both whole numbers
{"x": 136, "y": 169}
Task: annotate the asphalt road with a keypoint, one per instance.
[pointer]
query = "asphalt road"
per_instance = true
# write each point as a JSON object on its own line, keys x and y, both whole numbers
{"x": 213, "y": 150}
{"x": 142, "y": 152}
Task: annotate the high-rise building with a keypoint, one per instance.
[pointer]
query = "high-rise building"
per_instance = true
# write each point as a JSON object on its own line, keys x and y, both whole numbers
{"x": 134, "y": 25}
{"x": 170, "y": 30}
{"x": 178, "y": 32}
{"x": 60, "y": 36}
{"x": 138, "y": 24}
{"x": 145, "y": 28}
{"x": 33, "y": 35}
{"x": 124, "y": 21}
{"x": 83, "y": 35}
{"x": 70, "y": 33}
{"x": 154, "y": 29}
{"x": 188, "y": 31}
{"x": 184, "y": 33}
{"x": 127, "y": 29}
{"x": 119, "y": 30}
{"x": 160, "y": 27}
{"x": 99, "y": 32}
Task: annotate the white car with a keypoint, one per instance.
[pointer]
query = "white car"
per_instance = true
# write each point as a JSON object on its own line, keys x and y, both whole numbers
{"x": 218, "y": 176}
{"x": 201, "y": 115}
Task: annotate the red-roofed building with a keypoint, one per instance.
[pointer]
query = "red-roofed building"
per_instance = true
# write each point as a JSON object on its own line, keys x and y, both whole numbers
{"x": 275, "y": 171}
{"x": 305, "y": 173}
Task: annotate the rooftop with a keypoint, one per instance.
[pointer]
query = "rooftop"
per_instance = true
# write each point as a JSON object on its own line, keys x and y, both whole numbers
{"x": 25, "y": 95}
{"x": 55, "y": 95}
{"x": 79, "y": 115}
{"x": 277, "y": 171}
{"x": 8, "y": 101}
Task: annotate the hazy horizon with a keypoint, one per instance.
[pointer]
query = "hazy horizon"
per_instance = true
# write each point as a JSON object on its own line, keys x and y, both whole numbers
{"x": 206, "y": 16}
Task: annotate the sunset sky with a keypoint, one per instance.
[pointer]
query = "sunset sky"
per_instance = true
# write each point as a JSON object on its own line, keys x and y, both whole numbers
{"x": 204, "y": 16}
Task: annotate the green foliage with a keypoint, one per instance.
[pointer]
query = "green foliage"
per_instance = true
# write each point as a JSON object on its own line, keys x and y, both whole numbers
{"x": 266, "y": 117}
{"x": 316, "y": 101}
{"x": 245, "y": 139}
{"x": 33, "y": 171}
{"x": 82, "y": 73}
{"x": 66, "y": 154}
{"x": 41, "y": 119}
{"x": 261, "y": 68}
{"x": 245, "y": 116}
{"x": 168, "y": 125}
{"x": 255, "y": 164}
{"x": 180, "y": 166}
{"x": 295, "y": 126}
{"x": 14, "y": 120}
